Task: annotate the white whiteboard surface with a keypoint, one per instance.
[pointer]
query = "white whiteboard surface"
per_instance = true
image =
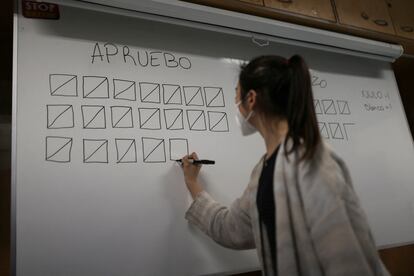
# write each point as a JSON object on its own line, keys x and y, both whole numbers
{"x": 93, "y": 215}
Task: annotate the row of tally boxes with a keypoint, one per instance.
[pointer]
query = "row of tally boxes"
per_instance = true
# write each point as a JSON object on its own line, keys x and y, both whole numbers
{"x": 60, "y": 149}
{"x": 61, "y": 116}
{"x": 98, "y": 87}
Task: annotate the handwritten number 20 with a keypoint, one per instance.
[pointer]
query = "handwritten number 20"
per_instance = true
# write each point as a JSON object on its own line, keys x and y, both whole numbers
{"x": 318, "y": 82}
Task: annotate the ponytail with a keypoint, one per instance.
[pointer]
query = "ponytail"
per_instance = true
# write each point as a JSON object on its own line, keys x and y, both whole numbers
{"x": 300, "y": 112}
{"x": 284, "y": 90}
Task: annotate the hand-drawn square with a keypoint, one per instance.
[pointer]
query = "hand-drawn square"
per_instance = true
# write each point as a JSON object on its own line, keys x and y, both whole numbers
{"x": 63, "y": 85}
{"x": 329, "y": 107}
{"x": 196, "y": 120}
{"x": 58, "y": 149}
{"x": 318, "y": 108}
{"x": 122, "y": 117}
{"x": 153, "y": 150}
{"x": 343, "y": 107}
{"x": 149, "y": 118}
{"x": 60, "y": 116}
{"x": 95, "y": 87}
{"x": 93, "y": 116}
{"x": 193, "y": 96}
{"x": 214, "y": 96}
{"x": 125, "y": 90}
{"x": 150, "y": 92}
{"x": 178, "y": 148}
{"x": 336, "y": 131}
{"x": 172, "y": 94}
{"x": 323, "y": 130}
{"x": 217, "y": 121}
{"x": 126, "y": 150}
{"x": 95, "y": 151}
{"x": 174, "y": 119}
{"x": 346, "y": 125}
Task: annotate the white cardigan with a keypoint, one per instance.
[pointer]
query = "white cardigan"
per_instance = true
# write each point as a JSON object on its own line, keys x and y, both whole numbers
{"x": 320, "y": 226}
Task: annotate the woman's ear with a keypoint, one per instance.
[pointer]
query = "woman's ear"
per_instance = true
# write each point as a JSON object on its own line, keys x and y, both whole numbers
{"x": 251, "y": 99}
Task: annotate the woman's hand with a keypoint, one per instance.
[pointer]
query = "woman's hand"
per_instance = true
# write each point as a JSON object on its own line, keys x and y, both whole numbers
{"x": 191, "y": 172}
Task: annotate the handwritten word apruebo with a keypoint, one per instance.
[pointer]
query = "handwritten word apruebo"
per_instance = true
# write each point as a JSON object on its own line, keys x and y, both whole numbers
{"x": 110, "y": 52}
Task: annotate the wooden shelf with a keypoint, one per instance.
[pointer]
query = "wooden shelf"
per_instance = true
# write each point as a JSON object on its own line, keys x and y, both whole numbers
{"x": 255, "y": 2}
{"x": 402, "y": 14}
{"x": 321, "y": 9}
{"x": 372, "y": 15}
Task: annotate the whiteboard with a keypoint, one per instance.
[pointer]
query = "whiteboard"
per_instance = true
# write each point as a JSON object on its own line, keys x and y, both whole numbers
{"x": 96, "y": 192}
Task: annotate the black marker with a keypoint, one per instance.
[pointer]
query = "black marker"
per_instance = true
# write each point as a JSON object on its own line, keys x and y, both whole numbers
{"x": 198, "y": 162}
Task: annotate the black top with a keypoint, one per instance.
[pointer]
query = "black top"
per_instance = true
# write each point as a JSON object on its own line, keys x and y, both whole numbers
{"x": 266, "y": 206}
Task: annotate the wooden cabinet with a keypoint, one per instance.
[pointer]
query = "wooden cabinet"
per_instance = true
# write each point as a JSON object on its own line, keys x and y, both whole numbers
{"x": 390, "y": 21}
{"x": 256, "y": 2}
{"x": 366, "y": 14}
{"x": 321, "y": 9}
{"x": 402, "y": 14}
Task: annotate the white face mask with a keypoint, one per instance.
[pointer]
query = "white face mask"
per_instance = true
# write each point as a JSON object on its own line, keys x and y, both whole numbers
{"x": 243, "y": 123}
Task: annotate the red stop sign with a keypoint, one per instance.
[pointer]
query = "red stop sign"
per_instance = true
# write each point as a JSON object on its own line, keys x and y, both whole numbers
{"x": 44, "y": 10}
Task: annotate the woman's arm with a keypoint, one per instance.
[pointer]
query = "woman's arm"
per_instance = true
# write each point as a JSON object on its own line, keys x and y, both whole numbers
{"x": 229, "y": 226}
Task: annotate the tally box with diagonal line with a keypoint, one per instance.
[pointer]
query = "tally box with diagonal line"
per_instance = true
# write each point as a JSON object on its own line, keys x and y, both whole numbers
{"x": 149, "y": 118}
{"x": 172, "y": 94}
{"x": 323, "y": 130}
{"x": 193, "y": 96}
{"x": 93, "y": 116}
{"x": 58, "y": 149}
{"x": 217, "y": 121}
{"x": 124, "y": 90}
{"x": 60, "y": 116}
{"x": 174, "y": 118}
{"x": 343, "y": 107}
{"x": 153, "y": 150}
{"x": 121, "y": 117}
{"x": 329, "y": 107}
{"x": 126, "y": 150}
{"x": 196, "y": 120}
{"x": 95, "y": 87}
{"x": 63, "y": 85}
{"x": 318, "y": 108}
{"x": 149, "y": 92}
{"x": 95, "y": 151}
{"x": 336, "y": 131}
{"x": 214, "y": 96}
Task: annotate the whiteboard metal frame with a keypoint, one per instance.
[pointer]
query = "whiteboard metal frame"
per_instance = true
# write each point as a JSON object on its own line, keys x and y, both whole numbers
{"x": 218, "y": 20}
{"x": 13, "y": 241}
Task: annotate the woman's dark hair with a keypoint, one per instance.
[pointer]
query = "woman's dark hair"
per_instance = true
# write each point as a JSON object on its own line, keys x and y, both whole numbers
{"x": 284, "y": 90}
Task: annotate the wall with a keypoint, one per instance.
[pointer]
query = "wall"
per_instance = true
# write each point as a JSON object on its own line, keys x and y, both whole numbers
{"x": 403, "y": 69}
{"x": 6, "y": 45}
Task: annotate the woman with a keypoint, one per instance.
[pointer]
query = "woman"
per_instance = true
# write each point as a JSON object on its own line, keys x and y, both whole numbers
{"x": 299, "y": 210}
